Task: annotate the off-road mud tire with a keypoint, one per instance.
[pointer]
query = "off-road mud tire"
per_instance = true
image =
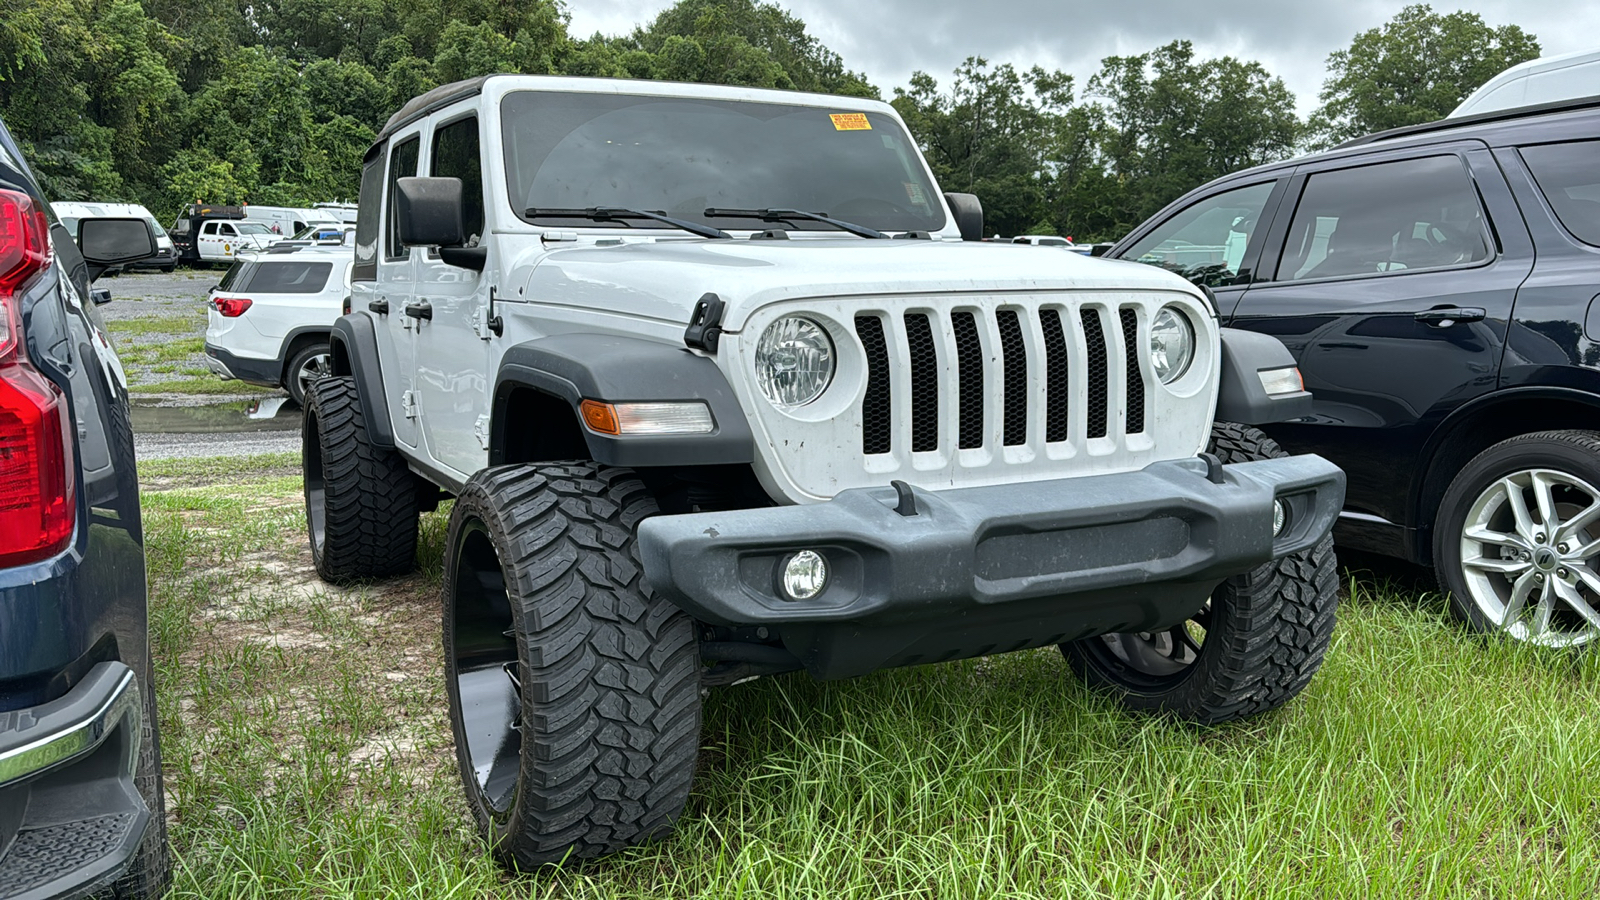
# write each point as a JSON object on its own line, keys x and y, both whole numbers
{"x": 1269, "y": 628}
{"x": 608, "y": 672}
{"x": 361, "y": 497}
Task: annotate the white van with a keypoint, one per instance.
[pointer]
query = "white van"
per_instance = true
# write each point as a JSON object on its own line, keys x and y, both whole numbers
{"x": 288, "y": 221}
{"x": 71, "y": 213}
{"x": 344, "y": 212}
{"x": 1553, "y": 78}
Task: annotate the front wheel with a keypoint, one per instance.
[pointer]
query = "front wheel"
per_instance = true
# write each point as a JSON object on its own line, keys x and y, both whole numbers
{"x": 1517, "y": 539}
{"x": 1255, "y": 644}
{"x": 574, "y": 691}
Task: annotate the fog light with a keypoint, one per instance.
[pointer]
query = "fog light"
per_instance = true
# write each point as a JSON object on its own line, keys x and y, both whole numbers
{"x": 805, "y": 574}
{"x": 1280, "y": 517}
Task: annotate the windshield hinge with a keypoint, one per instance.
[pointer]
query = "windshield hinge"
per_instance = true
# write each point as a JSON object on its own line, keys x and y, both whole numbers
{"x": 705, "y": 324}
{"x": 554, "y": 236}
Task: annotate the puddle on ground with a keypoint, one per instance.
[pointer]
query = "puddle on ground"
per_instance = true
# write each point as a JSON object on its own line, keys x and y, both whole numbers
{"x": 167, "y": 417}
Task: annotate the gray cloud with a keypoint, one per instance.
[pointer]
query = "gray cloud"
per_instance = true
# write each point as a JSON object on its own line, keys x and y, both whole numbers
{"x": 889, "y": 39}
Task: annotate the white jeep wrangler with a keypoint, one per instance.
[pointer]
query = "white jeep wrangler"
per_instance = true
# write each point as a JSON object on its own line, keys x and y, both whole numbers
{"x": 722, "y": 387}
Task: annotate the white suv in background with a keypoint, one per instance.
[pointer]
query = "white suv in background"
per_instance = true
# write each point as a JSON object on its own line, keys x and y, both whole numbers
{"x": 270, "y": 316}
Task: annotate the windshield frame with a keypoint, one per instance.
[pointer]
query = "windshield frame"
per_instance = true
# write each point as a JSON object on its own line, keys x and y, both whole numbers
{"x": 937, "y": 221}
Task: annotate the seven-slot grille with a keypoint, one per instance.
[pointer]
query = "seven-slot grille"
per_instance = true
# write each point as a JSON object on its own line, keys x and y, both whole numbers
{"x": 991, "y": 366}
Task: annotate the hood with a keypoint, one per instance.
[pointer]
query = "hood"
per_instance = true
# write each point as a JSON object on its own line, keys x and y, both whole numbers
{"x": 663, "y": 279}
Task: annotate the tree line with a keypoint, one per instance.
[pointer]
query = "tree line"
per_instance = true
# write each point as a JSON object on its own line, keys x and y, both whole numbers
{"x": 275, "y": 101}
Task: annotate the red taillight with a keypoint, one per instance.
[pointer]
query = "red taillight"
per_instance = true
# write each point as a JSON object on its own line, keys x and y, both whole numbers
{"x": 37, "y": 483}
{"x": 230, "y": 307}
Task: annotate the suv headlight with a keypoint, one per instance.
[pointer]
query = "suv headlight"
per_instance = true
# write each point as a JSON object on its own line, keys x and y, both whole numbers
{"x": 1171, "y": 344}
{"x": 794, "y": 361}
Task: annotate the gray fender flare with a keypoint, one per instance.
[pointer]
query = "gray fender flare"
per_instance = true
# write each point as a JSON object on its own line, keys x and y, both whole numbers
{"x": 1240, "y": 397}
{"x": 354, "y": 343}
{"x": 577, "y": 367}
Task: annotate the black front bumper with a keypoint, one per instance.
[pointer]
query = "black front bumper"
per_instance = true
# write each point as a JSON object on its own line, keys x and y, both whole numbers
{"x": 991, "y": 569}
{"x": 71, "y": 817}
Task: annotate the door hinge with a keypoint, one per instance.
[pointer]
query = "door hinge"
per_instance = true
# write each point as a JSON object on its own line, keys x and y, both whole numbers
{"x": 408, "y": 404}
{"x": 481, "y": 429}
{"x": 488, "y": 323}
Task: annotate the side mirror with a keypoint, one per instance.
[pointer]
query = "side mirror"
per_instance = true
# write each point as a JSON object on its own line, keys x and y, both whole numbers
{"x": 100, "y": 296}
{"x": 1100, "y": 249}
{"x": 106, "y": 242}
{"x": 969, "y": 215}
{"x": 429, "y": 212}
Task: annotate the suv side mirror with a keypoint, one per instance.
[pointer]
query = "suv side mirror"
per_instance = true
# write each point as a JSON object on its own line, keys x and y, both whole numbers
{"x": 429, "y": 212}
{"x": 108, "y": 242}
{"x": 969, "y": 215}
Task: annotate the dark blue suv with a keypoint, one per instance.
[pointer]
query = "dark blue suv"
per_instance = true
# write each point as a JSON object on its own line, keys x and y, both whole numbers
{"x": 81, "y": 807}
{"x": 1440, "y": 288}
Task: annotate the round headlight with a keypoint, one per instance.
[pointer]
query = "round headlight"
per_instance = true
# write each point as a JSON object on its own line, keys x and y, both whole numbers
{"x": 1171, "y": 344}
{"x": 794, "y": 361}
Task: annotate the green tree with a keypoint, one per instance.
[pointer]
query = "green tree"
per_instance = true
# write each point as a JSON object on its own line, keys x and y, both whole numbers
{"x": 1416, "y": 68}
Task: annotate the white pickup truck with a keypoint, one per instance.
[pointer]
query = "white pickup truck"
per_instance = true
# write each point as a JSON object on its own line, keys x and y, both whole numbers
{"x": 723, "y": 386}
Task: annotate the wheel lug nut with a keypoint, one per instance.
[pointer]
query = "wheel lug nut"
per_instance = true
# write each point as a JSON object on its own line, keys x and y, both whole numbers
{"x": 1539, "y": 537}
{"x": 1562, "y": 547}
{"x": 1561, "y": 573}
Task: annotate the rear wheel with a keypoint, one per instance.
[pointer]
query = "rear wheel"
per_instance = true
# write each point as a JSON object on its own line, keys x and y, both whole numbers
{"x": 361, "y": 503}
{"x": 312, "y": 362}
{"x": 1255, "y": 644}
{"x": 574, "y": 691}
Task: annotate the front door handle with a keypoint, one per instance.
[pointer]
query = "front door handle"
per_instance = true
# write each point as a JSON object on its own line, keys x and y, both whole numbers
{"x": 420, "y": 310}
{"x": 381, "y": 307}
{"x": 1445, "y": 316}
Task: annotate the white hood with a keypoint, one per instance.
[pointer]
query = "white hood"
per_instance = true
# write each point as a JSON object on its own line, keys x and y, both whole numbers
{"x": 663, "y": 279}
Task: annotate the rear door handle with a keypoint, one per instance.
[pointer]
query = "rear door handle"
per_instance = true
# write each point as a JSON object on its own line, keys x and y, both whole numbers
{"x": 1446, "y": 316}
{"x": 381, "y": 307}
{"x": 420, "y": 310}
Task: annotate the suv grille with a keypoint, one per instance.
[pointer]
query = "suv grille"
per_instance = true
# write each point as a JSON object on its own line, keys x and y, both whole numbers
{"x": 991, "y": 365}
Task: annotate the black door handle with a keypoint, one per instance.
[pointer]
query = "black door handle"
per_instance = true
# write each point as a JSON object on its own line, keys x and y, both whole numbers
{"x": 420, "y": 310}
{"x": 381, "y": 307}
{"x": 1445, "y": 316}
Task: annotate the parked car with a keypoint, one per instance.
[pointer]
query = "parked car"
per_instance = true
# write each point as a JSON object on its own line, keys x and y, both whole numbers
{"x": 81, "y": 802}
{"x": 269, "y": 318}
{"x": 683, "y": 456}
{"x": 1041, "y": 240}
{"x": 285, "y": 221}
{"x": 1550, "y": 79}
{"x": 324, "y": 234}
{"x": 1437, "y": 285}
{"x": 165, "y": 258}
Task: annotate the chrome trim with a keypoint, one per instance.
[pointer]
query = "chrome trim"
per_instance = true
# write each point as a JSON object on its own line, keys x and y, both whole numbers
{"x": 73, "y": 738}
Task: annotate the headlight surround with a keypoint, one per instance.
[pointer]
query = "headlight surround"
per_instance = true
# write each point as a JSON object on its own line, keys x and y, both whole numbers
{"x": 794, "y": 361}
{"x": 1171, "y": 344}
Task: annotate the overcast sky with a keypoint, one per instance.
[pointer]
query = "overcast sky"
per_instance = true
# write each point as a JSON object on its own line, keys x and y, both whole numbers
{"x": 889, "y": 39}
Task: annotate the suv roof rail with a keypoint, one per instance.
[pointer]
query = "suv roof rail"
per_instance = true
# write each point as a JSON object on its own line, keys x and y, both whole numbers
{"x": 1498, "y": 115}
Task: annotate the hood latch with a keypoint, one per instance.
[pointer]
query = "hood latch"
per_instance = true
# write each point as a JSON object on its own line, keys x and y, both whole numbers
{"x": 705, "y": 324}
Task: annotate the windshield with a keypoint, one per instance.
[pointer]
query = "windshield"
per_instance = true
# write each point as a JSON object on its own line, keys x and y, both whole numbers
{"x": 160, "y": 232}
{"x": 252, "y": 228}
{"x": 680, "y": 156}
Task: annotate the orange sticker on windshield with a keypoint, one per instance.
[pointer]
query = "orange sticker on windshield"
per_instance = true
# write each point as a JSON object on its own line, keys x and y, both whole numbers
{"x": 850, "y": 122}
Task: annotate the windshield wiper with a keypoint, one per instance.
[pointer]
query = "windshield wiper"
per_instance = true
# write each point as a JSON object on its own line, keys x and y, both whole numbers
{"x": 780, "y": 215}
{"x": 620, "y": 214}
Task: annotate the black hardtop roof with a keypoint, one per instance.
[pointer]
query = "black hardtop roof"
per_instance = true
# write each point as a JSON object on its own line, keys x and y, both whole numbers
{"x": 424, "y": 104}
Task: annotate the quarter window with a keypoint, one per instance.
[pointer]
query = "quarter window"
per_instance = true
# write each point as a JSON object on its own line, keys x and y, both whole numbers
{"x": 1408, "y": 216}
{"x": 1569, "y": 176}
{"x": 455, "y": 155}
{"x": 402, "y": 164}
{"x": 1206, "y": 242}
{"x": 366, "y": 253}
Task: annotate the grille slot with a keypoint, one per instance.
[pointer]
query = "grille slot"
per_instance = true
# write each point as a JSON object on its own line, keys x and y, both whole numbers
{"x": 1057, "y": 401}
{"x": 876, "y": 419}
{"x": 1135, "y": 379}
{"x": 969, "y": 359}
{"x": 1094, "y": 337}
{"x": 1016, "y": 373}
{"x": 924, "y": 383}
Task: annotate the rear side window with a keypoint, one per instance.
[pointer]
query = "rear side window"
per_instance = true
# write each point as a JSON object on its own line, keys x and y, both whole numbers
{"x": 455, "y": 155}
{"x": 236, "y": 276}
{"x": 366, "y": 265}
{"x": 402, "y": 164}
{"x": 1569, "y": 176}
{"x": 288, "y": 277}
{"x": 1406, "y": 216}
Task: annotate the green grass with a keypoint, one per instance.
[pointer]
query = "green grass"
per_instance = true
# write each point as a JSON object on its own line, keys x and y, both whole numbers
{"x": 308, "y": 755}
{"x": 160, "y": 324}
{"x": 206, "y": 385}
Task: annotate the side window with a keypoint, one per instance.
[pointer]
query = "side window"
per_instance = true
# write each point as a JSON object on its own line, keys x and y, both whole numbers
{"x": 1569, "y": 176}
{"x": 367, "y": 214}
{"x": 1406, "y": 216}
{"x": 1205, "y": 243}
{"x": 455, "y": 155}
{"x": 226, "y": 229}
{"x": 402, "y": 164}
{"x": 210, "y": 228}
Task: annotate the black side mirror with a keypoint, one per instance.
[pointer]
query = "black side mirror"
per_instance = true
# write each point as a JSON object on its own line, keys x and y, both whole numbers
{"x": 969, "y": 215}
{"x": 100, "y": 296}
{"x": 429, "y": 212}
{"x": 1100, "y": 249}
{"x": 108, "y": 242}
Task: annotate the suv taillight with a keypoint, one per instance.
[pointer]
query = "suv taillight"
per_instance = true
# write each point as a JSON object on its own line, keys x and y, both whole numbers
{"x": 37, "y": 485}
{"x": 230, "y": 307}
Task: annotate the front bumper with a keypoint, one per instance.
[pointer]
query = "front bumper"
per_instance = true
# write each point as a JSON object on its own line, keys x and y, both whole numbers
{"x": 71, "y": 817}
{"x": 991, "y": 569}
